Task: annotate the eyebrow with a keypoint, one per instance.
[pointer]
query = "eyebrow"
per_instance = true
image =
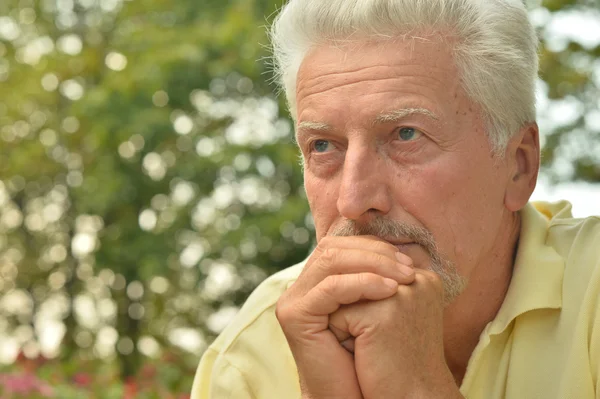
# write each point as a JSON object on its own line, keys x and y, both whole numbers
{"x": 397, "y": 115}
{"x": 385, "y": 117}
{"x": 317, "y": 126}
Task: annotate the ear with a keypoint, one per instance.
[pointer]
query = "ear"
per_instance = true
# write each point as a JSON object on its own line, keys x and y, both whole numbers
{"x": 523, "y": 161}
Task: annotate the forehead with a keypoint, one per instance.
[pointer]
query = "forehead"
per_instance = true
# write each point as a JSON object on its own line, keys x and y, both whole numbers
{"x": 417, "y": 72}
{"x": 433, "y": 49}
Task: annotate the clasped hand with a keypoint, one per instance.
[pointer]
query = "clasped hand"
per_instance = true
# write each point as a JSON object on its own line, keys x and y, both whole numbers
{"x": 362, "y": 323}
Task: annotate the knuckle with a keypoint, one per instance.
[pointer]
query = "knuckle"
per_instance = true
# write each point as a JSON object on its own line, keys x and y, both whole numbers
{"x": 330, "y": 287}
{"x": 405, "y": 258}
{"x": 289, "y": 317}
{"x": 332, "y": 282}
{"x": 281, "y": 311}
{"x": 286, "y": 309}
{"x": 325, "y": 243}
{"x": 378, "y": 263}
{"x": 367, "y": 279}
{"x": 329, "y": 257}
{"x": 362, "y": 279}
{"x": 432, "y": 279}
{"x": 327, "y": 263}
{"x": 380, "y": 260}
{"x": 431, "y": 276}
{"x": 330, "y": 262}
{"x": 383, "y": 246}
{"x": 420, "y": 277}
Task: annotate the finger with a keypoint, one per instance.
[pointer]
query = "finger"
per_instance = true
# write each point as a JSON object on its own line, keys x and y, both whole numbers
{"x": 335, "y": 291}
{"x": 344, "y": 338}
{"x": 430, "y": 282}
{"x": 404, "y": 258}
{"x": 335, "y": 261}
{"x": 348, "y": 344}
{"x": 370, "y": 243}
{"x": 340, "y": 334}
{"x": 377, "y": 244}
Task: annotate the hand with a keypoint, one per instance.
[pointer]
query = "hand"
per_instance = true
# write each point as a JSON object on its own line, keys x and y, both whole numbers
{"x": 341, "y": 271}
{"x": 399, "y": 347}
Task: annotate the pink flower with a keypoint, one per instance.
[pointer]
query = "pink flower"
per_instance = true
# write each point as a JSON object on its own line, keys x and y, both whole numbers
{"x": 25, "y": 384}
{"x": 82, "y": 379}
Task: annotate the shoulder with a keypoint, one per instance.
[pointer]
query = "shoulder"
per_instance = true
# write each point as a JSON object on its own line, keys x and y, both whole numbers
{"x": 251, "y": 358}
{"x": 259, "y": 305}
{"x": 577, "y": 241}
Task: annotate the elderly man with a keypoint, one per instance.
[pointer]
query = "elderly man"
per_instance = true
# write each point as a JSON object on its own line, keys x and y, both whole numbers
{"x": 433, "y": 277}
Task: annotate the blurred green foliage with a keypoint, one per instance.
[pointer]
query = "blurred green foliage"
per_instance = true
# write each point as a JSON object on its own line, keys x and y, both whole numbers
{"x": 163, "y": 378}
{"x": 148, "y": 176}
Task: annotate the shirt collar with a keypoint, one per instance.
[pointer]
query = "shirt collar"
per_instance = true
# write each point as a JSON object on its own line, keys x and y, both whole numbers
{"x": 538, "y": 270}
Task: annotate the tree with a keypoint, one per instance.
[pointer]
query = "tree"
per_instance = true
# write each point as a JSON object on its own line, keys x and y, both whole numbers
{"x": 569, "y": 69}
{"x": 135, "y": 141}
{"x": 149, "y": 179}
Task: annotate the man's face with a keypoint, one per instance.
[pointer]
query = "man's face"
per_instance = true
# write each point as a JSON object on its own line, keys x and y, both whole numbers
{"x": 387, "y": 132}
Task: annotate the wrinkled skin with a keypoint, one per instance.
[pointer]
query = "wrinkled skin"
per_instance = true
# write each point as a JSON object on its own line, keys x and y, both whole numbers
{"x": 368, "y": 154}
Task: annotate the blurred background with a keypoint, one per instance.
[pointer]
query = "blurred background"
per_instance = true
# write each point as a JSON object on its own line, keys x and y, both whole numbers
{"x": 149, "y": 180}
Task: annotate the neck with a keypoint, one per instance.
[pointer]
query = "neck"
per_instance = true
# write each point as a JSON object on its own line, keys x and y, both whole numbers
{"x": 468, "y": 315}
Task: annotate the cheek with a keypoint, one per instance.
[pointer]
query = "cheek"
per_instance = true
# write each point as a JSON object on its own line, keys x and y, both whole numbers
{"x": 429, "y": 191}
{"x": 452, "y": 199}
{"x": 322, "y": 199}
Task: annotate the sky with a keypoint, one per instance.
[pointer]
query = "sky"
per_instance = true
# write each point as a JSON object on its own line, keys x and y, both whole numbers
{"x": 558, "y": 29}
{"x": 584, "y": 197}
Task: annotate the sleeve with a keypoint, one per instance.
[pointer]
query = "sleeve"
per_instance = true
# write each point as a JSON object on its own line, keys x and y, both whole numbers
{"x": 594, "y": 324}
{"x": 595, "y": 348}
{"x": 216, "y": 378}
{"x": 595, "y": 351}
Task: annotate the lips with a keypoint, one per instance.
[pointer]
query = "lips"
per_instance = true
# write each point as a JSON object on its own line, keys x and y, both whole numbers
{"x": 400, "y": 243}
{"x": 405, "y": 246}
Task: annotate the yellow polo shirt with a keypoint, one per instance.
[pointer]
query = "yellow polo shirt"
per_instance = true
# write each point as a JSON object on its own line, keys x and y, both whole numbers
{"x": 544, "y": 343}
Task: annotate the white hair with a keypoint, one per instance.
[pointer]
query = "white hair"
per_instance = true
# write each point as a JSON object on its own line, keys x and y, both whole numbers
{"x": 494, "y": 47}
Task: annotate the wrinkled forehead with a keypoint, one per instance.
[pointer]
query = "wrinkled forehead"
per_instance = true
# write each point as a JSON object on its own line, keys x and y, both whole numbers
{"x": 332, "y": 59}
{"x": 420, "y": 73}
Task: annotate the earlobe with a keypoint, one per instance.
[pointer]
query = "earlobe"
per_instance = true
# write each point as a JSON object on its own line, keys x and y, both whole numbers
{"x": 523, "y": 157}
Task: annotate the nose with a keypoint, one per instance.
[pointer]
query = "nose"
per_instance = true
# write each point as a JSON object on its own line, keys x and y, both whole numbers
{"x": 365, "y": 187}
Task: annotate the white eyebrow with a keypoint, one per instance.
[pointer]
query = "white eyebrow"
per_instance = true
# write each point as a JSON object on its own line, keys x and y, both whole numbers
{"x": 385, "y": 117}
{"x": 318, "y": 126}
{"x": 397, "y": 115}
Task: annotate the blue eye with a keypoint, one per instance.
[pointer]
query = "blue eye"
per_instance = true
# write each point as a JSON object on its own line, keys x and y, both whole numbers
{"x": 322, "y": 145}
{"x": 408, "y": 133}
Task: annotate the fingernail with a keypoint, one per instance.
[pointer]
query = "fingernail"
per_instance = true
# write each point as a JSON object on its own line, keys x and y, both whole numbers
{"x": 390, "y": 283}
{"x": 406, "y": 270}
